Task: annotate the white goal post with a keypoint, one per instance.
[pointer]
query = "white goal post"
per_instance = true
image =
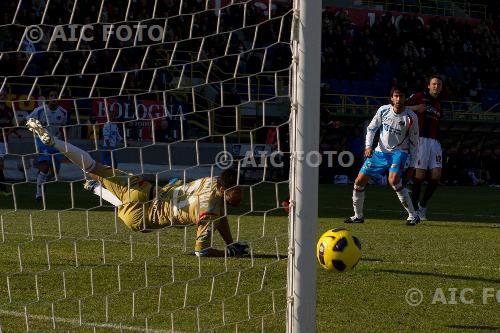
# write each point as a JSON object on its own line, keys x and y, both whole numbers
{"x": 303, "y": 176}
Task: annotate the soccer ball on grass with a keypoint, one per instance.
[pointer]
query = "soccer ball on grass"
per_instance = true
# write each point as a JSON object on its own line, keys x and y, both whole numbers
{"x": 338, "y": 250}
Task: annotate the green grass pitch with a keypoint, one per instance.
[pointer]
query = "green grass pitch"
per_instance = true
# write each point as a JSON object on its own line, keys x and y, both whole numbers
{"x": 79, "y": 270}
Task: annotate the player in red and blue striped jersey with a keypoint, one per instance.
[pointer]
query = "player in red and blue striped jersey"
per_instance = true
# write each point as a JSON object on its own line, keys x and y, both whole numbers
{"x": 427, "y": 106}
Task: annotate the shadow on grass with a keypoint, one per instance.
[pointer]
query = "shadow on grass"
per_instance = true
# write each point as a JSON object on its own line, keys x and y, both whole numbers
{"x": 476, "y": 327}
{"x": 256, "y": 255}
{"x": 399, "y": 216}
{"x": 460, "y": 204}
{"x": 268, "y": 256}
{"x": 439, "y": 275}
{"x": 433, "y": 225}
{"x": 464, "y": 218}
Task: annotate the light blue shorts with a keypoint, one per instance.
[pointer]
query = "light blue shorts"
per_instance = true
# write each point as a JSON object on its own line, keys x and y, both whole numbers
{"x": 380, "y": 162}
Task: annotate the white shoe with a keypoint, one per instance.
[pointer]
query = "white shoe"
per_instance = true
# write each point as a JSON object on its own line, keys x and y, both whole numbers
{"x": 411, "y": 221}
{"x": 354, "y": 219}
{"x": 35, "y": 126}
{"x": 422, "y": 212}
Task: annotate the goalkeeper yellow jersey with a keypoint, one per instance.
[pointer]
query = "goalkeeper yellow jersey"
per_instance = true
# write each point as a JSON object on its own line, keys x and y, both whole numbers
{"x": 195, "y": 203}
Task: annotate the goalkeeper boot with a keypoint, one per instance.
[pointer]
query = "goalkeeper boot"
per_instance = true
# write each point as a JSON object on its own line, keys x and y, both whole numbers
{"x": 354, "y": 219}
{"x": 239, "y": 249}
{"x": 35, "y": 126}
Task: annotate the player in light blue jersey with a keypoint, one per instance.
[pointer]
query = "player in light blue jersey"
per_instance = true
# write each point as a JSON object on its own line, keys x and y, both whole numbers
{"x": 54, "y": 117}
{"x": 398, "y": 140}
{"x": 111, "y": 137}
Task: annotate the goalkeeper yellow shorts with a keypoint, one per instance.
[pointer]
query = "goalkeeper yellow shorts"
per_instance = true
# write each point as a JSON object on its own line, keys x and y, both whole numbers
{"x": 134, "y": 193}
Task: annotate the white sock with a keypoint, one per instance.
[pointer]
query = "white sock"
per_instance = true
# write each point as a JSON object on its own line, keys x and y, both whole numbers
{"x": 40, "y": 179}
{"x": 358, "y": 200}
{"x": 106, "y": 195}
{"x": 404, "y": 197}
{"x": 76, "y": 155}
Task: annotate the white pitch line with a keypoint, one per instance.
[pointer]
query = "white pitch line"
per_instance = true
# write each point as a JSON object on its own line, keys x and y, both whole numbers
{"x": 77, "y": 322}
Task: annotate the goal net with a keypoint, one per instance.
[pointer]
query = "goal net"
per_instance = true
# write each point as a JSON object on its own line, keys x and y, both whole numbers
{"x": 186, "y": 88}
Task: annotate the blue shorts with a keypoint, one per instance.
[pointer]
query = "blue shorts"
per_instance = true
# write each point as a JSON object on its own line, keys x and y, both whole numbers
{"x": 380, "y": 162}
{"x": 46, "y": 153}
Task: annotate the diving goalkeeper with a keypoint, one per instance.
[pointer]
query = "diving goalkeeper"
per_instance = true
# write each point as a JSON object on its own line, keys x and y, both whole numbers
{"x": 144, "y": 207}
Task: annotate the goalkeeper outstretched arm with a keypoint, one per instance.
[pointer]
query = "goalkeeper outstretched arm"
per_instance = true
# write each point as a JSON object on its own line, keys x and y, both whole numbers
{"x": 203, "y": 248}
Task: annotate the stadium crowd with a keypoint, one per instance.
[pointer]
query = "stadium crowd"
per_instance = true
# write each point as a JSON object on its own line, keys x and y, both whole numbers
{"x": 467, "y": 56}
{"x": 167, "y": 14}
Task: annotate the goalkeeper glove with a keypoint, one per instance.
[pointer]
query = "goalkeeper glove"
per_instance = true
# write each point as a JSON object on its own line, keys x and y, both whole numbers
{"x": 240, "y": 248}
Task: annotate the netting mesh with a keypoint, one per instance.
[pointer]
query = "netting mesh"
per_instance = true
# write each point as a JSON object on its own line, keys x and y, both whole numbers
{"x": 182, "y": 81}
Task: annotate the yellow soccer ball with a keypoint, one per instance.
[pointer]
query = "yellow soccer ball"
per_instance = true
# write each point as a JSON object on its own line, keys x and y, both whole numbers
{"x": 338, "y": 250}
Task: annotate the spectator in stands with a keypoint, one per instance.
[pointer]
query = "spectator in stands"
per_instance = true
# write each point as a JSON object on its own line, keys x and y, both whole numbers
{"x": 469, "y": 166}
{"x": 451, "y": 166}
{"x": 7, "y": 124}
{"x": 111, "y": 139}
{"x": 473, "y": 168}
{"x": 410, "y": 51}
{"x": 464, "y": 49}
{"x": 163, "y": 132}
{"x": 327, "y": 101}
{"x": 486, "y": 160}
{"x": 38, "y": 7}
{"x": 272, "y": 136}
